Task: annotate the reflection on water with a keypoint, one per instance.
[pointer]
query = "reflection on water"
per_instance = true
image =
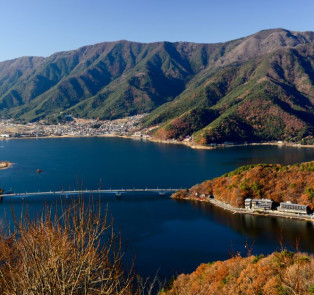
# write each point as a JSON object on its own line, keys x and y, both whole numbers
{"x": 263, "y": 228}
{"x": 270, "y": 154}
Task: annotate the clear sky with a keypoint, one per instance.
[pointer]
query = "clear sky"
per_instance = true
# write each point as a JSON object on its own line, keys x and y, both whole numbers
{"x": 42, "y": 27}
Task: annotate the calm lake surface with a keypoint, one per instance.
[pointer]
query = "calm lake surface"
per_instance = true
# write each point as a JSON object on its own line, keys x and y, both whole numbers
{"x": 165, "y": 235}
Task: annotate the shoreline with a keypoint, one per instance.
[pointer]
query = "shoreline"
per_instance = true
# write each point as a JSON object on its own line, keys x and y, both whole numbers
{"x": 235, "y": 210}
{"x": 206, "y": 147}
{"x": 155, "y": 140}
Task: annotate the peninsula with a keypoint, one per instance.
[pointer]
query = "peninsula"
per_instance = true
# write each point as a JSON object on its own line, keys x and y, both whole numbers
{"x": 270, "y": 189}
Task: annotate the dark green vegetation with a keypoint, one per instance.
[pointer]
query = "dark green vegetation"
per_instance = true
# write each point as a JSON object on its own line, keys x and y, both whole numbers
{"x": 254, "y": 88}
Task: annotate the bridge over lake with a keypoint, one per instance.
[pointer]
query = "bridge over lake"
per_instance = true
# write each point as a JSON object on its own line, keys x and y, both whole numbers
{"x": 117, "y": 192}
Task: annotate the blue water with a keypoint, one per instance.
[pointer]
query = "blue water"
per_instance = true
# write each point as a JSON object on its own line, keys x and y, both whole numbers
{"x": 165, "y": 235}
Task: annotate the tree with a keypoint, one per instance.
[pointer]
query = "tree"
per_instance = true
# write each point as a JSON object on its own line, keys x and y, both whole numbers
{"x": 77, "y": 253}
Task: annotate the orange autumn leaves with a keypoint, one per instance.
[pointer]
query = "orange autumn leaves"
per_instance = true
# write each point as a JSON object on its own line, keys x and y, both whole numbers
{"x": 279, "y": 273}
{"x": 294, "y": 183}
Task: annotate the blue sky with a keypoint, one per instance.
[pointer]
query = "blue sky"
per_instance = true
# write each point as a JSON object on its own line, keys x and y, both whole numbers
{"x": 42, "y": 27}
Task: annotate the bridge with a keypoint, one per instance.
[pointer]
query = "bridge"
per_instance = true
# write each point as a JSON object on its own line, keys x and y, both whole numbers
{"x": 117, "y": 192}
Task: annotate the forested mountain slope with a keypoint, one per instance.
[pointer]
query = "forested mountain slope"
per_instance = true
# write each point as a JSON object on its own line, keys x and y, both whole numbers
{"x": 266, "y": 98}
{"x": 279, "y": 183}
{"x": 255, "y": 88}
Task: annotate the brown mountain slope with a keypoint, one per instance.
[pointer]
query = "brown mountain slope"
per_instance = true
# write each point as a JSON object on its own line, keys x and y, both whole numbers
{"x": 265, "y": 42}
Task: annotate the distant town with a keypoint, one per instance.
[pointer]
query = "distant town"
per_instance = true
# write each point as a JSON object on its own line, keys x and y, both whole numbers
{"x": 128, "y": 126}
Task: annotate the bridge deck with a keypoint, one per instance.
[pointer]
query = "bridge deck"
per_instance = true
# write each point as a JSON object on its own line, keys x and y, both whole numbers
{"x": 97, "y": 191}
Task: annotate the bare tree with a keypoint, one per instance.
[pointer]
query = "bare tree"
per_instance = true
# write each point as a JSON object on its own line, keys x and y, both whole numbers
{"x": 72, "y": 252}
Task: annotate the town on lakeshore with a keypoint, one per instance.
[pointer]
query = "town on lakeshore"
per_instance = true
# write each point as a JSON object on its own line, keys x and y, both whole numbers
{"x": 73, "y": 127}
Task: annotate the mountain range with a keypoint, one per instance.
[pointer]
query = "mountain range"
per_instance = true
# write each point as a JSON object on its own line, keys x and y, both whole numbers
{"x": 256, "y": 88}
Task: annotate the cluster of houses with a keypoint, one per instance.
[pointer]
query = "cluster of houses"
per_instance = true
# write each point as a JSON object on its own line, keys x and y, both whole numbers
{"x": 72, "y": 127}
{"x": 266, "y": 204}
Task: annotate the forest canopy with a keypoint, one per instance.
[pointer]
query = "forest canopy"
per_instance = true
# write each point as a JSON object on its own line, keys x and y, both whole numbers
{"x": 280, "y": 183}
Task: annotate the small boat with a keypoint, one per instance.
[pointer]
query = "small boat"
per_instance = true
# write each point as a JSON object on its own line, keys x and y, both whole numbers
{"x": 162, "y": 193}
{"x": 118, "y": 195}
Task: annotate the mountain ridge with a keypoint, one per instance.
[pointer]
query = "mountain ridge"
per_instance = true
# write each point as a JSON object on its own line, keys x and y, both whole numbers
{"x": 110, "y": 80}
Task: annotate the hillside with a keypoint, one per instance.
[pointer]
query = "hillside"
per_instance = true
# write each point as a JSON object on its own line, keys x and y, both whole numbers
{"x": 279, "y": 273}
{"x": 260, "y": 87}
{"x": 106, "y": 80}
{"x": 294, "y": 183}
{"x": 266, "y": 98}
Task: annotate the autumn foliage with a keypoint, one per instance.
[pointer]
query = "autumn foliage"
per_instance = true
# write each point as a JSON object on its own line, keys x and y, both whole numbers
{"x": 279, "y": 273}
{"x": 294, "y": 183}
{"x": 75, "y": 252}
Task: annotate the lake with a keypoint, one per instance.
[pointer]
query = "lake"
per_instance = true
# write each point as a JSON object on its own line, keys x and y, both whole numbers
{"x": 165, "y": 235}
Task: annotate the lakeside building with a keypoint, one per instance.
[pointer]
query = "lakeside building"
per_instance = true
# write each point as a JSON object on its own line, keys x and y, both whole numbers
{"x": 293, "y": 208}
{"x": 247, "y": 204}
{"x": 258, "y": 204}
{"x": 284, "y": 207}
{"x": 5, "y": 135}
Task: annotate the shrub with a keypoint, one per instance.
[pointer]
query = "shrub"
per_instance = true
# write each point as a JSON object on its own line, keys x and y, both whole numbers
{"x": 78, "y": 253}
{"x": 258, "y": 257}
